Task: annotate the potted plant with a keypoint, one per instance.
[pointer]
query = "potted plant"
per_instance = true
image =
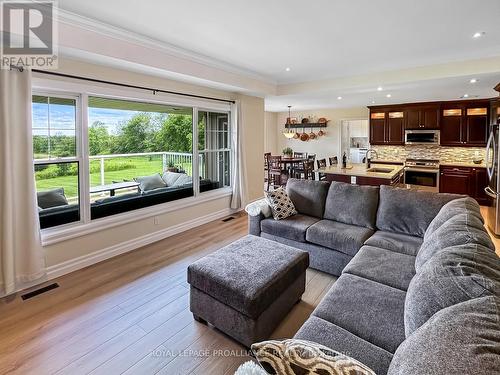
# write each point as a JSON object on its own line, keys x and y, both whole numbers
{"x": 287, "y": 151}
{"x": 171, "y": 167}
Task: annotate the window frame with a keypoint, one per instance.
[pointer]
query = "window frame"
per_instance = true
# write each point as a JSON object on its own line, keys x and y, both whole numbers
{"x": 79, "y": 154}
{"x": 65, "y": 89}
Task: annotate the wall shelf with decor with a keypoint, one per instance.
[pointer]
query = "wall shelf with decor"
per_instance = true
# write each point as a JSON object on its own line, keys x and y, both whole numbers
{"x": 307, "y": 125}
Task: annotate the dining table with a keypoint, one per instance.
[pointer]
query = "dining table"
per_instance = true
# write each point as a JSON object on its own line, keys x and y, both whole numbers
{"x": 288, "y": 162}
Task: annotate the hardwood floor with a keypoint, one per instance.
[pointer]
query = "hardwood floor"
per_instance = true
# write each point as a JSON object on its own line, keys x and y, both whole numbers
{"x": 130, "y": 315}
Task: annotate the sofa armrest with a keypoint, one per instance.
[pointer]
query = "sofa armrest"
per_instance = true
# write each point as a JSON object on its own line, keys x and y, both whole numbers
{"x": 254, "y": 224}
{"x": 257, "y": 211}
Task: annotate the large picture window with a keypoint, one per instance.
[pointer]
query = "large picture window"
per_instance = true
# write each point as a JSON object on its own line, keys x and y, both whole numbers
{"x": 57, "y": 159}
{"x": 136, "y": 155}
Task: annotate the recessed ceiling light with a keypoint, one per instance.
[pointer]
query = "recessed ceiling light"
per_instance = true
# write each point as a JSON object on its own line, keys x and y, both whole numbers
{"x": 465, "y": 96}
{"x": 478, "y": 34}
{"x": 373, "y": 101}
{"x": 388, "y": 95}
{"x": 287, "y": 69}
{"x": 379, "y": 88}
{"x": 339, "y": 97}
{"x": 473, "y": 80}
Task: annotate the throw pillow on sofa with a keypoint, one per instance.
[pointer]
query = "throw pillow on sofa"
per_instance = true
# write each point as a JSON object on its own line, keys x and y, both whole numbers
{"x": 460, "y": 229}
{"x": 148, "y": 183}
{"x": 51, "y": 198}
{"x": 305, "y": 357}
{"x": 453, "y": 208}
{"x": 456, "y": 274}
{"x": 280, "y": 203}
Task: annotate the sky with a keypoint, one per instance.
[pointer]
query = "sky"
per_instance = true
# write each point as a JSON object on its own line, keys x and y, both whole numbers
{"x": 62, "y": 118}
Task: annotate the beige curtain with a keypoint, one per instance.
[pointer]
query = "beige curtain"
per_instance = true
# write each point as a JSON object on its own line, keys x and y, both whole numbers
{"x": 239, "y": 170}
{"x": 21, "y": 256}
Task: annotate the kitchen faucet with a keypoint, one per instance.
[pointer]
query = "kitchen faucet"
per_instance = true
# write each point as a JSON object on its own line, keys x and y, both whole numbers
{"x": 367, "y": 160}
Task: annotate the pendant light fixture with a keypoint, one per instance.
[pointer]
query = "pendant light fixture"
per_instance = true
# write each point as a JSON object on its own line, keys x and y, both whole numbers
{"x": 288, "y": 133}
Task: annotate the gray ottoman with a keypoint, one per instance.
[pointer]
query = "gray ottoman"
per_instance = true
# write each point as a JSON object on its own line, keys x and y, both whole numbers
{"x": 246, "y": 288}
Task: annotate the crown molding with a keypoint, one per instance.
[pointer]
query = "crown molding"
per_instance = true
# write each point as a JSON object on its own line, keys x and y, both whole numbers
{"x": 111, "y": 31}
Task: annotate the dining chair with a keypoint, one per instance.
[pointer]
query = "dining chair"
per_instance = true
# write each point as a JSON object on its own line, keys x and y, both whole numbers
{"x": 296, "y": 168}
{"x": 309, "y": 170}
{"x": 275, "y": 173}
{"x": 266, "y": 168}
{"x": 333, "y": 160}
{"x": 321, "y": 164}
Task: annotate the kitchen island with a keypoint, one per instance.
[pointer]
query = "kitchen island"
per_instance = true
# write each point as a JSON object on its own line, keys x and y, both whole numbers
{"x": 376, "y": 175}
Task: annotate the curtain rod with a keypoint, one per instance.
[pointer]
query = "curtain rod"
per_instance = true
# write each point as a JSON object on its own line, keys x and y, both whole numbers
{"x": 130, "y": 86}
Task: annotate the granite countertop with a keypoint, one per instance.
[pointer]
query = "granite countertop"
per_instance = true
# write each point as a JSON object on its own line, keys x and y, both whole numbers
{"x": 463, "y": 164}
{"x": 360, "y": 170}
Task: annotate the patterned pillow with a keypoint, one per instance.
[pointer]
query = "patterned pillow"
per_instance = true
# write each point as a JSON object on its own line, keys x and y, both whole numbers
{"x": 305, "y": 358}
{"x": 281, "y": 204}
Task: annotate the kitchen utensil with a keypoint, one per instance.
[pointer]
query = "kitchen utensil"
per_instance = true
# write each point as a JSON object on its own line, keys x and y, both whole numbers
{"x": 304, "y": 137}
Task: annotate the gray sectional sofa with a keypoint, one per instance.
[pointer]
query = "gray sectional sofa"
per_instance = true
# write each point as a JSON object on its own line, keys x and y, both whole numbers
{"x": 419, "y": 281}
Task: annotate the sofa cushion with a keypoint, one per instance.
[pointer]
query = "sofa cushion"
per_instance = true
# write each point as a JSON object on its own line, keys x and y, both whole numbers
{"x": 369, "y": 310}
{"x": 321, "y": 258}
{"x": 461, "y": 339}
{"x": 293, "y": 227}
{"x": 294, "y": 356}
{"x": 308, "y": 196}
{"x": 454, "y": 275}
{"x": 398, "y": 242}
{"x": 352, "y": 204}
{"x": 339, "y": 236}
{"x": 384, "y": 266}
{"x": 460, "y": 229}
{"x": 452, "y": 208}
{"x": 409, "y": 211}
{"x": 248, "y": 274}
{"x": 280, "y": 203}
{"x": 51, "y": 198}
{"x": 328, "y": 334}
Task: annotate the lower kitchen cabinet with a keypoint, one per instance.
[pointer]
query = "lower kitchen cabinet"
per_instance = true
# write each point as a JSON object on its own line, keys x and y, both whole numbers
{"x": 464, "y": 180}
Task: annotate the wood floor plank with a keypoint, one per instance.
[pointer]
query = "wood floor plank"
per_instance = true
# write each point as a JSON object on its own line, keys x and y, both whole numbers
{"x": 104, "y": 352}
{"x": 128, "y": 357}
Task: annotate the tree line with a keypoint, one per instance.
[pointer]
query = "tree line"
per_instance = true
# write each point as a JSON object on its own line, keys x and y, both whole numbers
{"x": 144, "y": 132}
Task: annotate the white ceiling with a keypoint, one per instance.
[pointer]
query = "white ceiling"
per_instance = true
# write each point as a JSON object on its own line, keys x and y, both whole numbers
{"x": 318, "y": 40}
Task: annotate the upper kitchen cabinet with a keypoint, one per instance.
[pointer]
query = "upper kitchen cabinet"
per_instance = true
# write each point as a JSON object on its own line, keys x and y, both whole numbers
{"x": 422, "y": 117}
{"x": 386, "y": 127}
{"x": 465, "y": 123}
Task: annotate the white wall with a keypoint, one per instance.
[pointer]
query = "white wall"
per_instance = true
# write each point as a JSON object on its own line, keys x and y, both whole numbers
{"x": 253, "y": 135}
{"x": 325, "y": 146}
{"x": 270, "y": 133}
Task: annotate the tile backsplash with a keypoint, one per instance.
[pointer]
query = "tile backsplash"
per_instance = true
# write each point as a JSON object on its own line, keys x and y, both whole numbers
{"x": 443, "y": 154}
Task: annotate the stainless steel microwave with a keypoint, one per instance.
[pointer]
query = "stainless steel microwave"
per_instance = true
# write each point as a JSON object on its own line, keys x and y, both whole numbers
{"x": 422, "y": 137}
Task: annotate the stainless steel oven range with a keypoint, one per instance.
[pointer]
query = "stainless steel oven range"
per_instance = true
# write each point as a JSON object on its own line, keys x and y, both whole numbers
{"x": 422, "y": 173}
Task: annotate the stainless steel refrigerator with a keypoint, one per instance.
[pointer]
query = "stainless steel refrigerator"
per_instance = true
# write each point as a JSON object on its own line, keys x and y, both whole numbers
{"x": 492, "y": 165}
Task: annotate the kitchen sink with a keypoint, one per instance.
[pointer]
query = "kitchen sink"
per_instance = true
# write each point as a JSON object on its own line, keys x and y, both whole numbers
{"x": 380, "y": 170}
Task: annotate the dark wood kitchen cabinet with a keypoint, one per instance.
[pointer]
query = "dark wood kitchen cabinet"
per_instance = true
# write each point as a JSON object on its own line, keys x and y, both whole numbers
{"x": 422, "y": 118}
{"x": 387, "y": 128}
{"x": 464, "y": 180}
{"x": 465, "y": 123}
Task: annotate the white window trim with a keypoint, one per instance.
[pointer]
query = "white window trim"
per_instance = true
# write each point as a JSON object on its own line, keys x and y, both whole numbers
{"x": 66, "y": 232}
{"x": 81, "y": 91}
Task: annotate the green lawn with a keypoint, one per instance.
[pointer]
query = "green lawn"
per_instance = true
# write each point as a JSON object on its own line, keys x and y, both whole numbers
{"x": 141, "y": 166}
